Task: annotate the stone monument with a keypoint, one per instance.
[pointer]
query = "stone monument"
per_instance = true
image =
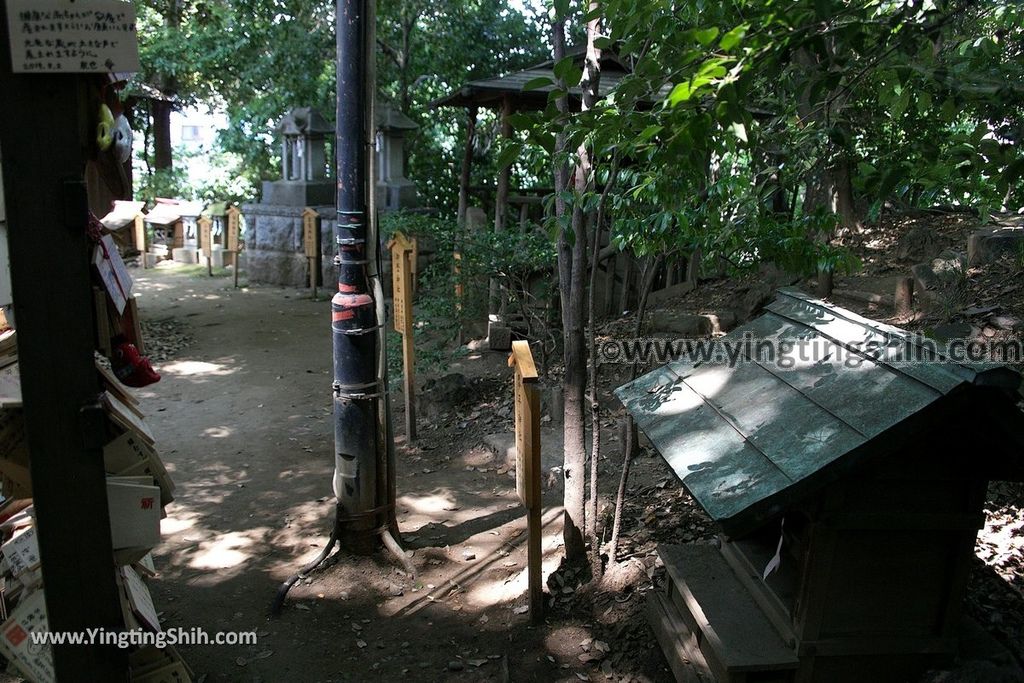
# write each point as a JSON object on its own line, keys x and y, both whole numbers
{"x": 274, "y": 250}
{"x": 394, "y": 190}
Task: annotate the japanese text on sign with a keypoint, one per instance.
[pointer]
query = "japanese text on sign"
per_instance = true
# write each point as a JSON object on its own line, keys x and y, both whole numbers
{"x": 57, "y": 36}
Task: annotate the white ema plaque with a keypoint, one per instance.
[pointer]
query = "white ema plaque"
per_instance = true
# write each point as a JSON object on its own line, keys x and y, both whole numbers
{"x": 60, "y": 36}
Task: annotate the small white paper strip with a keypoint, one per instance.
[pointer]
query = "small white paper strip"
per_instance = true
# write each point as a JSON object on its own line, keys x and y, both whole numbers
{"x": 776, "y": 561}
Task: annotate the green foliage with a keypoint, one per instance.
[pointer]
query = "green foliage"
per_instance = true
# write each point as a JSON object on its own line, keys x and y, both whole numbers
{"x": 511, "y": 258}
{"x": 258, "y": 59}
{"x": 744, "y": 125}
{"x": 163, "y": 183}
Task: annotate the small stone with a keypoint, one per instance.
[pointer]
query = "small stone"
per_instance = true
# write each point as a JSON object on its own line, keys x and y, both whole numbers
{"x": 455, "y": 665}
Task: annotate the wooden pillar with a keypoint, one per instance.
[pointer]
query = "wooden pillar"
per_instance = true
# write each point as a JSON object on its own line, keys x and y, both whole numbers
{"x": 401, "y": 296}
{"x": 231, "y": 243}
{"x": 206, "y": 242}
{"x": 528, "y": 467}
{"x": 139, "y": 229}
{"x": 47, "y": 214}
{"x": 467, "y": 167}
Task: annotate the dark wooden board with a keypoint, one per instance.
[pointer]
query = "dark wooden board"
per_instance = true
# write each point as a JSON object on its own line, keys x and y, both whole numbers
{"x": 731, "y": 623}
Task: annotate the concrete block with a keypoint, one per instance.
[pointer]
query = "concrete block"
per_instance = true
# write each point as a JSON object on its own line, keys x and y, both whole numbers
{"x": 189, "y": 255}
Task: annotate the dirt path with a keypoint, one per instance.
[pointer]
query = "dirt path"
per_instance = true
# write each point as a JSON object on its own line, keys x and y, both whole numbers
{"x": 242, "y": 419}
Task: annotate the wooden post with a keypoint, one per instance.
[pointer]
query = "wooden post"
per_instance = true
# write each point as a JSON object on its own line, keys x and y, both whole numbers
{"x": 47, "y": 214}
{"x": 528, "y": 469}
{"x": 311, "y": 242}
{"x": 140, "y": 237}
{"x": 401, "y": 291}
{"x": 234, "y": 220}
{"x": 206, "y": 242}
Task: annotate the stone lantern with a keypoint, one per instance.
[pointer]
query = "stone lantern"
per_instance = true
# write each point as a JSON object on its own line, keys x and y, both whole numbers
{"x": 394, "y": 190}
{"x": 304, "y": 168}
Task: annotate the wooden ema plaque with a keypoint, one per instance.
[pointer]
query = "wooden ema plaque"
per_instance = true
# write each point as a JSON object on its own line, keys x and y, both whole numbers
{"x": 528, "y": 468}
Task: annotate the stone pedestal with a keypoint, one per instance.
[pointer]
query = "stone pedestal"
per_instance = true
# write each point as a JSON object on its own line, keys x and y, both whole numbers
{"x": 298, "y": 193}
{"x": 188, "y": 255}
{"x": 216, "y": 257}
{"x": 274, "y": 250}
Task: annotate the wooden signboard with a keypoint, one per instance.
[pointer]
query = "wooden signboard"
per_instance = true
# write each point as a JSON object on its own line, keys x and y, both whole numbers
{"x": 140, "y": 237}
{"x": 528, "y": 469}
{"x": 311, "y": 244}
{"x": 401, "y": 280}
{"x": 206, "y": 242}
{"x": 234, "y": 221}
{"x": 311, "y": 232}
{"x": 234, "y": 225}
{"x": 56, "y": 36}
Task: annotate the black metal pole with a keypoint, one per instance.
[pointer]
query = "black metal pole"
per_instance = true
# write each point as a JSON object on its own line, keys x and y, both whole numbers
{"x": 363, "y": 446}
{"x": 358, "y": 380}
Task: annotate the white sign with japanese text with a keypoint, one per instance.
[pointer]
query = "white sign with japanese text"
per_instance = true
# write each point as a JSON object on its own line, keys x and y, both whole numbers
{"x": 59, "y": 36}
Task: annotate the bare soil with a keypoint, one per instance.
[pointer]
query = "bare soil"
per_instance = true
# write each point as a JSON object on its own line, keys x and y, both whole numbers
{"x": 243, "y": 420}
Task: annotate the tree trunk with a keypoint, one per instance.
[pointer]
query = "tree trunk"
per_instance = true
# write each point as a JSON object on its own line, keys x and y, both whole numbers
{"x": 467, "y": 168}
{"x": 162, "y": 154}
{"x": 571, "y": 250}
{"x": 842, "y": 185}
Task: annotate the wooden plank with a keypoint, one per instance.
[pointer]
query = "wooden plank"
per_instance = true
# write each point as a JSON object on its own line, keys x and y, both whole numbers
{"x": 401, "y": 278}
{"x": 777, "y": 612}
{"x": 131, "y": 314}
{"x": 103, "y": 336}
{"x": 127, "y": 419}
{"x": 206, "y": 242}
{"x": 139, "y": 233}
{"x": 522, "y": 359}
{"x": 678, "y": 643}
{"x": 731, "y": 623}
{"x": 401, "y": 286}
{"x": 311, "y": 232}
{"x": 114, "y": 385}
{"x": 528, "y": 467}
{"x": 47, "y": 216}
{"x": 234, "y": 222}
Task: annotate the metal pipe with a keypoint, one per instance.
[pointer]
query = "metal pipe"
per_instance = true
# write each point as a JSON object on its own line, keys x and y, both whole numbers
{"x": 364, "y": 477}
{"x": 355, "y": 323}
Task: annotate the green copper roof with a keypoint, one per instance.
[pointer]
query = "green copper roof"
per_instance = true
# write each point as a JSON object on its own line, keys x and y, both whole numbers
{"x": 748, "y": 440}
